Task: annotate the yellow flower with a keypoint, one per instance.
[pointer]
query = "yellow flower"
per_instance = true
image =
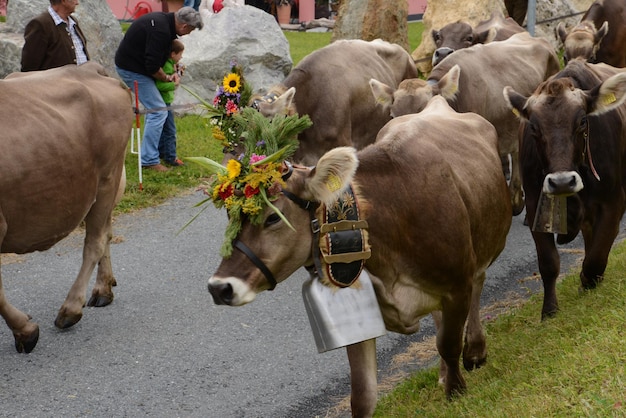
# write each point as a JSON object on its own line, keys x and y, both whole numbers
{"x": 234, "y": 168}
{"x": 218, "y": 134}
{"x": 232, "y": 83}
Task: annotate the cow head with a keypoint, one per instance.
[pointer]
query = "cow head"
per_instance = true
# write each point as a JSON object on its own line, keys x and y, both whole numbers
{"x": 455, "y": 36}
{"x": 274, "y": 249}
{"x": 413, "y": 95}
{"x": 556, "y": 118}
{"x": 583, "y": 41}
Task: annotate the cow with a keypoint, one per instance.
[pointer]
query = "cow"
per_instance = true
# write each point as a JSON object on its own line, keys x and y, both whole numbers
{"x": 468, "y": 81}
{"x": 330, "y": 85}
{"x": 573, "y": 146}
{"x": 437, "y": 206}
{"x": 61, "y": 163}
{"x": 460, "y": 34}
{"x": 600, "y": 36}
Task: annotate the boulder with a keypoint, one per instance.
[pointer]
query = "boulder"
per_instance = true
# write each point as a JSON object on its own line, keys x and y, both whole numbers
{"x": 245, "y": 34}
{"x": 373, "y": 19}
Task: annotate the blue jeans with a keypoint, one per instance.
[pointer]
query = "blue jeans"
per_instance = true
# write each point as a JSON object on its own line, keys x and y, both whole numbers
{"x": 150, "y": 98}
{"x": 167, "y": 144}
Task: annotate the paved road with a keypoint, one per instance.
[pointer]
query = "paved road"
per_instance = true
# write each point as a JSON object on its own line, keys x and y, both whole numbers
{"x": 163, "y": 349}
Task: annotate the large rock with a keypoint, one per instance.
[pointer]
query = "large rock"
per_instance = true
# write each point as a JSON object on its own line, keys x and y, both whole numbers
{"x": 441, "y": 12}
{"x": 245, "y": 34}
{"x": 373, "y": 19}
{"x": 101, "y": 28}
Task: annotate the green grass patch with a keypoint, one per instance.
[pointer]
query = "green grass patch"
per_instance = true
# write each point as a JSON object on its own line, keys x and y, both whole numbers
{"x": 569, "y": 366}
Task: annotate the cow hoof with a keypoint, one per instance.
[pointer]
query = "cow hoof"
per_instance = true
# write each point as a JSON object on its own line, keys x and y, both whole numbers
{"x": 64, "y": 322}
{"x": 99, "y": 301}
{"x": 25, "y": 343}
{"x": 517, "y": 209}
{"x": 474, "y": 363}
{"x": 548, "y": 315}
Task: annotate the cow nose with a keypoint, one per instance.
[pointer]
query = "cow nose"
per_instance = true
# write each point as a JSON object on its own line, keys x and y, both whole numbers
{"x": 222, "y": 293}
{"x": 441, "y": 53}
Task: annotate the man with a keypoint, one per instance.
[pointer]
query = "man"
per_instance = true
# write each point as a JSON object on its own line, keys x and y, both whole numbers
{"x": 140, "y": 57}
{"x": 54, "y": 39}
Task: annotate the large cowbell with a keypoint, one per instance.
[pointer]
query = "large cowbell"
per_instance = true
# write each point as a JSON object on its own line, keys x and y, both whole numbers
{"x": 342, "y": 316}
{"x": 551, "y": 214}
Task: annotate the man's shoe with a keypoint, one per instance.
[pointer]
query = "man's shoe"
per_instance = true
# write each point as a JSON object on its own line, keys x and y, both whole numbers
{"x": 176, "y": 163}
{"x": 156, "y": 167}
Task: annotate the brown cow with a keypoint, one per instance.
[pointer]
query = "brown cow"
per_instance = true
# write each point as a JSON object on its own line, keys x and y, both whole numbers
{"x": 331, "y": 86}
{"x": 460, "y": 34}
{"x": 573, "y": 144}
{"x": 62, "y": 160}
{"x": 436, "y": 203}
{"x": 469, "y": 80}
{"x": 600, "y": 36}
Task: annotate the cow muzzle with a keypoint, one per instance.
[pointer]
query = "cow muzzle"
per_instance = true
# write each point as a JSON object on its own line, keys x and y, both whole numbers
{"x": 562, "y": 183}
{"x": 230, "y": 291}
{"x": 440, "y": 54}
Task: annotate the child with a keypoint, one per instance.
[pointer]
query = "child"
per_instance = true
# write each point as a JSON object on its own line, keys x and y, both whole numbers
{"x": 167, "y": 143}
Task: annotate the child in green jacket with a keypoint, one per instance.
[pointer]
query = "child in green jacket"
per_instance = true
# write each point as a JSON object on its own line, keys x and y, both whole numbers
{"x": 167, "y": 143}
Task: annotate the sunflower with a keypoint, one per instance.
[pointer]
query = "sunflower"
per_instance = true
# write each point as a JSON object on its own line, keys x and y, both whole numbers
{"x": 232, "y": 83}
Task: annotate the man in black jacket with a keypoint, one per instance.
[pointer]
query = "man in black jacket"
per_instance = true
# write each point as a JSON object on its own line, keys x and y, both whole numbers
{"x": 140, "y": 57}
{"x": 54, "y": 39}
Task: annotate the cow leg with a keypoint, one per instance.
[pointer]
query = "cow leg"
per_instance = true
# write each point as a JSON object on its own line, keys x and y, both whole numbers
{"x": 515, "y": 185}
{"x": 25, "y": 332}
{"x": 363, "y": 377}
{"x": 549, "y": 266}
{"x": 450, "y": 341}
{"x": 97, "y": 237}
{"x": 443, "y": 370}
{"x": 598, "y": 246}
{"x": 475, "y": 347}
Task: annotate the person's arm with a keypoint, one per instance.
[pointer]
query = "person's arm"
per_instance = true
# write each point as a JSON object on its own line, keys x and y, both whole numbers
{"x": 35, "y": 46}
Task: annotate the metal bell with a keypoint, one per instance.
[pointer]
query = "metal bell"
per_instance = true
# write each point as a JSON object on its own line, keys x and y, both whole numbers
{"x": 551, "y": 214}
{"x": 342, "y": 316}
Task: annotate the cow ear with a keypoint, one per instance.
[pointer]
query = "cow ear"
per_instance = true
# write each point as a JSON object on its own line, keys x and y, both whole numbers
{"x": 561, "y": 32}
{"x": 486, "y": 36}
{"x": 601, "y": 33}
{"x": 516, "y": 102}
{"x": 608, "y": 95}
{"x": 383, "y": 94}
{"x": 449, "y": 83}
{"x": 333, "y": 173}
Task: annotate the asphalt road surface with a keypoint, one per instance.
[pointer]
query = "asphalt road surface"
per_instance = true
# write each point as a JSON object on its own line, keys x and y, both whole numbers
{"x": 163, "y": 349}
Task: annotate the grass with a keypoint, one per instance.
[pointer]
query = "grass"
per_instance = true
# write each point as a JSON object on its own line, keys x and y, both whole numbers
{"x": 194, "y": 139}
{"x": 568, "y": 366}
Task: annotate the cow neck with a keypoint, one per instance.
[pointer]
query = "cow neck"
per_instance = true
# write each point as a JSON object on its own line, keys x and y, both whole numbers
{"x": 311, "y": 207}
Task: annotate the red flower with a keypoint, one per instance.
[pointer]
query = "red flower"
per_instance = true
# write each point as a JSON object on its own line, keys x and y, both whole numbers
{"x": 250, "y": 191}
{"x": 226, "y": 193}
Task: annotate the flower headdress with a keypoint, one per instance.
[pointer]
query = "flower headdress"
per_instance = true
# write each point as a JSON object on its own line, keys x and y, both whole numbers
{"x": 252, "y": 181}
{"x": 230, "y": 97}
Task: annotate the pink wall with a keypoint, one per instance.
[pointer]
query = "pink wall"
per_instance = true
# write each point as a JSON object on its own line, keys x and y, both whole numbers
{"x": 123, "y": 9}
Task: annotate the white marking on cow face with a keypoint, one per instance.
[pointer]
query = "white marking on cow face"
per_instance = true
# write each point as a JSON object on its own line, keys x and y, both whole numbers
{"x": 562, "y": 183}
{"x": 230, "y": 291}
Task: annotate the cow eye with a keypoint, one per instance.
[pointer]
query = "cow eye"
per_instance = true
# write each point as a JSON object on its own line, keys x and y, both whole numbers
{"x": 272, "y": 219}
{"x": 582, "y": 127}
{"x": 470, "y": 39}
{"x": 437, "y": 36}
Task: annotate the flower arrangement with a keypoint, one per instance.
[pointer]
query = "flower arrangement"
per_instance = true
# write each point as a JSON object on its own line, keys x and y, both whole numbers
{"x": 230, "y": 97}
{"x": 252, "y": 181}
